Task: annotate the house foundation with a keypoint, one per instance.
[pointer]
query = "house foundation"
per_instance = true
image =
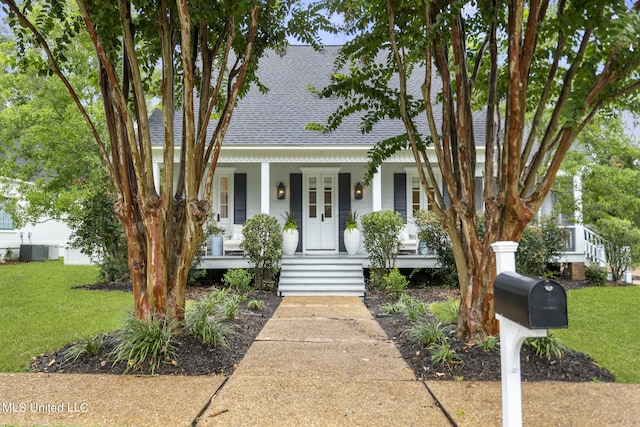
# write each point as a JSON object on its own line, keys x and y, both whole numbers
{"x": 576, "y": 271}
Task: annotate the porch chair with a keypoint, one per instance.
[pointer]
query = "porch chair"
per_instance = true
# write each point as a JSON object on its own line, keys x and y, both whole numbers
{"x": 232, "y": 242}
{"x": 408, "y": 241}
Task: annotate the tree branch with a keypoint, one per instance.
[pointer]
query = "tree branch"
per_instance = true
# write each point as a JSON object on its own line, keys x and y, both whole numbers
{"x": 565, "y": 92}
{"x": 167, "y": 87}
{"x": 144, "y": 137}
{"x": 53, "y": 65}
{"x": 231, "y": 101}
{"x": 191, "y": 186}
{"x": 120, "y": 100}
{"x": 542, "y": 104}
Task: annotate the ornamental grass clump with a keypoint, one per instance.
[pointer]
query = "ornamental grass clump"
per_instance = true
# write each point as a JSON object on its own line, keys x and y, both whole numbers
{"x": 427, "y": 332}
{"x": 255, "y": 304}
{"x": 413, "y": 308}
{"x": 549, "y": 347}
{"x": 487, "y": 343}
{"x": 90, "y": 346}
{"x": 443, "y": 354}
{"x": 208, "y": 320}
{"x": 140, "y": 343}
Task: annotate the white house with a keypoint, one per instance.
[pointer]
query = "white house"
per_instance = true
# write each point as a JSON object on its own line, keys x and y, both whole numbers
{"x": 50, "y": 233}
{"x": 270, "y": 163}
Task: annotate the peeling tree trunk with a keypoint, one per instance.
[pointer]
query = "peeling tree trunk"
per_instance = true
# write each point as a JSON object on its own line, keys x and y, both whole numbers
{"x": 519, "y": 169}
{"x": 164, "y": 229}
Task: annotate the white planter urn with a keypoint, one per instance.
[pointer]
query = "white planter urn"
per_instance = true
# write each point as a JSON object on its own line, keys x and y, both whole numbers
{"x": 289, "y": 241}
{"x": 352, "y": 240}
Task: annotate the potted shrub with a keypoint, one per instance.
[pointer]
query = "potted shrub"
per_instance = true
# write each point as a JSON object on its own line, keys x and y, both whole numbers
{"x": 213, "y": 232}
{"x": 352, "y": 233}
{"x": 289, "y": 234}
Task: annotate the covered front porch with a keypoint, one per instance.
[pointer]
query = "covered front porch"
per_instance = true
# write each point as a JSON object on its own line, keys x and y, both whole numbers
{"x": 225, "y": 262}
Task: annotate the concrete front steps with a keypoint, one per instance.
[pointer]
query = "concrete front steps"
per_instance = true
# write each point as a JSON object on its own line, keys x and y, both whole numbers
{"x": 321, "y": 276}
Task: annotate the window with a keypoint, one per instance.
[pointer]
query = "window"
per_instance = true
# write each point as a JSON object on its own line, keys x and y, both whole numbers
{"x": 6, "y": 222}
{"x": 328, "y": 197}
{"x": 417, "y": 198}
{"x": 415, "y": 194}
{"x": 224, "y": 197}
{"x": 313, "y": 198}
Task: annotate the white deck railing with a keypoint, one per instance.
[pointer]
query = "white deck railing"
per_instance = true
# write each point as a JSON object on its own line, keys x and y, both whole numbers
{"x": 594, "y": 247}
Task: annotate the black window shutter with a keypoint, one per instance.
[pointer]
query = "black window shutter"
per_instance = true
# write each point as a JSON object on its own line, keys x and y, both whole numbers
{"x": 479, "y": 193}
{"x": 400, "y": 194}
{"x": 239, "y": 198}
{"x": 344, "y": 205}
{"x": 445, "y": 196}
{"x": 295, "y": 203}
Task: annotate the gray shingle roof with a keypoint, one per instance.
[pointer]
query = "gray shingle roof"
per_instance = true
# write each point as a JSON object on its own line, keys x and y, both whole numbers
{"x": 280, "y": 116}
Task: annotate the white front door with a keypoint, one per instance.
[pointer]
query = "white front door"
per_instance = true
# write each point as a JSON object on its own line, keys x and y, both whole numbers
{"x": 320, "y": 213}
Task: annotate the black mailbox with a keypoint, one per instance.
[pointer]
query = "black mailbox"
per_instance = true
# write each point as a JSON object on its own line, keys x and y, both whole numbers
{"x": 530, "y": 301}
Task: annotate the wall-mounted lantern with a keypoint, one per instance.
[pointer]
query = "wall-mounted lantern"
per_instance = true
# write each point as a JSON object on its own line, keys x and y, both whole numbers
{"x": 358, "y": 191}
{"x": 280, "y": 191}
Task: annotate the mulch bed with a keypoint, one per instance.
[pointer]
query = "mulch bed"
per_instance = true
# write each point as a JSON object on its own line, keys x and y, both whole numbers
{"x": 476, "y": 364}
{"x": 193, "y": 357}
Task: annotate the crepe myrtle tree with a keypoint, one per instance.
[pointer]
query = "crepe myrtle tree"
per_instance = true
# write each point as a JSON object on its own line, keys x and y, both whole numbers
{"x": 195, "y": 49}
{"x": 527, "y": 76}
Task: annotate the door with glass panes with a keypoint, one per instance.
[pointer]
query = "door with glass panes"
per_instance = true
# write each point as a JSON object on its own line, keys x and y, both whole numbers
{"x": 320, "y": 213}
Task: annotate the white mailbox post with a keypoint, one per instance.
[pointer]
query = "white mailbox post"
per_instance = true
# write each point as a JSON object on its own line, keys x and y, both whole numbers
{"x": 512, "y": 335}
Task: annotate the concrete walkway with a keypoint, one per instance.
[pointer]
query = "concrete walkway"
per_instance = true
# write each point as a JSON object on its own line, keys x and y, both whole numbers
{"x": 317, "y": 362}
{"x": 321, "y": 362}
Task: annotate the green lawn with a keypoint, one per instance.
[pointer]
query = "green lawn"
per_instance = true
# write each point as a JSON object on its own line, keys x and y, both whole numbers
{"x": 40, "y": 312}
{"x": 604, "y": 322}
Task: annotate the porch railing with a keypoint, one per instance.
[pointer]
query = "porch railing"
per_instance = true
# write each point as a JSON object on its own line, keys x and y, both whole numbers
{"x": 594, "y": 247}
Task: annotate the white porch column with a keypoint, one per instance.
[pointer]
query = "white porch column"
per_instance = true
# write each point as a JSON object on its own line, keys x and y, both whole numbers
{"x": 265, "y": 193}
{"x": 156, "y": 176}
{"x": 376, "y": 192}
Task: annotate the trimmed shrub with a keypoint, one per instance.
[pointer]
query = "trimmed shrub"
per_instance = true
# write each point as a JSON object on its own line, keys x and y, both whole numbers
{"x": 596, "y": 274}
{"x": 622, "y": 244}
{"x": 262, "y": 246}
{"x": 433, "y": 235}
{"x": 238, "y": 279}
{"x": 395, "y": 282}
{"x": 540, "y": 245}
{"x": 380, "y": 230}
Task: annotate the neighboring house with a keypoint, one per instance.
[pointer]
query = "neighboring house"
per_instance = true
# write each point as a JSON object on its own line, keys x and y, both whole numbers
{"x": 267, "y": 147}
{"x": 47, "y": 232}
